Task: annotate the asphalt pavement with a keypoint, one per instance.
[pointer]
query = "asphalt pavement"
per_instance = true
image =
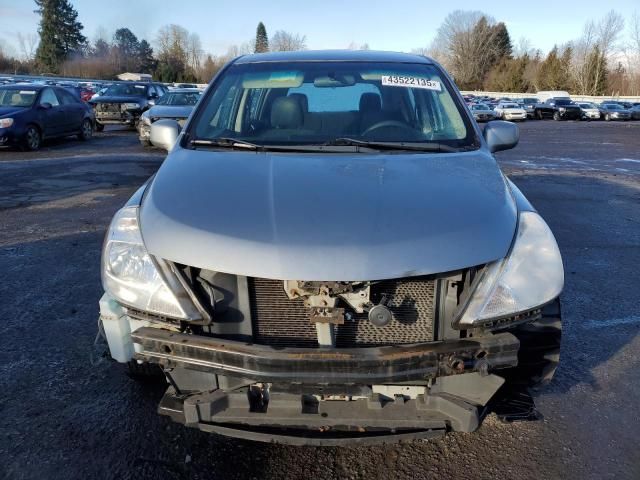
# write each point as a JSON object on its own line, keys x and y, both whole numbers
{"x": 66, "y": 413}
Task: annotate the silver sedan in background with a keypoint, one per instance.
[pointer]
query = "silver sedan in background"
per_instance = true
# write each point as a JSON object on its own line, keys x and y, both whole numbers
{"x": 175, "y": 105}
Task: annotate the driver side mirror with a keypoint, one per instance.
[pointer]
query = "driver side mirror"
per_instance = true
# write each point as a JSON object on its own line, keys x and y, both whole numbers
{"x": 164, "y": 134}
{"x": 501, "y": 135}
{"x": 45, "y": 106}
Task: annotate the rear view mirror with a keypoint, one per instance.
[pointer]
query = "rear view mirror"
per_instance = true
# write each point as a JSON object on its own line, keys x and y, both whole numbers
{"x": 334, "y": 81}
{"x": 164, "y": 134}
{"x": 501, "y": 135}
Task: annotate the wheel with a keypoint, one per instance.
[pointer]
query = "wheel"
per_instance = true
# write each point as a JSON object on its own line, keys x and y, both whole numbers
{"x": 556, "y": 116}
{"x": 32, "y": 138}
{"x": 144, "y": 371}
{"x": 539, "y": 114}
{"x": 86, "y": 130}
{"x": 539, "y": 352}
{"x": 99, "y": 127}
{"x": 607, "y": 117}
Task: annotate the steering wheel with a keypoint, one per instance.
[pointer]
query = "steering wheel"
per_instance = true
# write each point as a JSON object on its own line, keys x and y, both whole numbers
{"x": 386, "y": 123}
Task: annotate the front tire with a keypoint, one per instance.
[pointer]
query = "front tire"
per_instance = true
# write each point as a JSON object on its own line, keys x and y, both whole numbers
{"x": 32, "y": 138}
{"x": 539, "y": 114}
{"x": 86, "y": 130}
{"x": 556, "y": 116}
{"x": 607, "y": 118}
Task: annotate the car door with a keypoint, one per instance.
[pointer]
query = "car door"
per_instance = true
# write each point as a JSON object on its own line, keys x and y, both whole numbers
{"x": 73, "y": 111}
{"x": 50, "y": 113}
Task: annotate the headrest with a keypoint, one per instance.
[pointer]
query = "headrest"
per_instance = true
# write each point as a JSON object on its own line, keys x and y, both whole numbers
{"x": 302, "y": 99}
{"x": 286, "y": 112}
{"x": 370, "y": 102}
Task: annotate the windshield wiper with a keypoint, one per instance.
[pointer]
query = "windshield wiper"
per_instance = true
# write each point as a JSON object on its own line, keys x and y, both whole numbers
{"x": 414, "y": 146}
{"x": 226, "y": 142}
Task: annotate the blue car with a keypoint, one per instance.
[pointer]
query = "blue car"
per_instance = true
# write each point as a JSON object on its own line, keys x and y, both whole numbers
{"x": 31, "y": 113}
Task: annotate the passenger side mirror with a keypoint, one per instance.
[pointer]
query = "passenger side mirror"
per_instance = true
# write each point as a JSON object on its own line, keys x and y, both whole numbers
{"x": 164, "y": 134}
{"x": 501, "y": 135}
{"x": 45, "y": 106}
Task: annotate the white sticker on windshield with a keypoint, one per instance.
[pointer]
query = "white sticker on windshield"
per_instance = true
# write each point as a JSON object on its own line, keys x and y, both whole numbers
{"x": 410, "y": 82}
{"x": 27, "y": 92}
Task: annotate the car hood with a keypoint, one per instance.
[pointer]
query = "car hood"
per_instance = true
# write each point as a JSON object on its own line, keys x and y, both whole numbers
{"x": 114, "y": 99}
{"x": 6, "y": 111}
{"x": 328, "y": 216}
{"x": 170, "y": 111}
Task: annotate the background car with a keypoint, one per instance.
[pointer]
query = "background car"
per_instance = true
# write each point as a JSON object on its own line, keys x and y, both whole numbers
{"x": 529, "y": 105}
{"x": 614, "y": 111}
{"x": 30, "y": 114}
{"x": 558, "y": 108}
{"x": 635, "y": 111}
{"x": 482, "y": 112}
{"x": 175, "y": 105}
{"x": 123, "y": 103}
{"x": 589, "y": 110}
{"x": 510, "y": 111}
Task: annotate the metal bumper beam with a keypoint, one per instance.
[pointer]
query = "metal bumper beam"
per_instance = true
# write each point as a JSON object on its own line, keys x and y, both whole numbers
{"x": 389, "y": 364}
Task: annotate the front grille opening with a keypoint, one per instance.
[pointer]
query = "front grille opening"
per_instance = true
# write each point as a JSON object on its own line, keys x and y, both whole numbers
{"x": 279, "y": 321}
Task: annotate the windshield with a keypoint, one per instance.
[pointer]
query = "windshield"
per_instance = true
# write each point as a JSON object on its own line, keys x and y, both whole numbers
{"x": 179, "y": 98}
{"x": 563, "y": 101}
{"x": 529, "y": 101}
{"x": 313, "y": 103}
{"x": 126, "y": 90}
{"x": 587, "y": 105}
{"x": 510, "y": 105}
{"x": 613, "y": 106}
{"x": 479, "y": 107}
{"x": 10, "y": 97}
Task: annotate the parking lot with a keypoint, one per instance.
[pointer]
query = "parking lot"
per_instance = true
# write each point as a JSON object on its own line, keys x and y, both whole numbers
{"x": 68, "y": 414}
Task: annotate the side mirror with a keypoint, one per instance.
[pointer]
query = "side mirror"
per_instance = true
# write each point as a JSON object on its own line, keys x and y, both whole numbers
{"x": 152, "y": 101}
{"x": 501, "y": 135}
{"x": 164, "y": 134}
{"x": 45, "y": 106}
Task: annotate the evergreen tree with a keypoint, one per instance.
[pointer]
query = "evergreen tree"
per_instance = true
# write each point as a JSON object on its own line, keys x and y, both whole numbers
{"x": 127, "y": 50}
{"x": 101, "y": 48}
{"x": 147, "y": 64}
{"x": 60, "y": 34}
{"x": 502, "y": 41}
{"x": 596, "y": 72}
{"x": 554, "y": 71}
{"x": 262, "y": 41}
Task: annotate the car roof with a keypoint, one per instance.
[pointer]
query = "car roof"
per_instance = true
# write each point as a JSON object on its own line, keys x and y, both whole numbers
{"x": 185, "y": 90}
{"x": 24, "y": 86}
{"x": 334, "y": 56}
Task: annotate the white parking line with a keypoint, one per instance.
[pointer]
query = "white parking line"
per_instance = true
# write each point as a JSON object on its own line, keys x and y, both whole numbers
{"x": 592, "y": 324}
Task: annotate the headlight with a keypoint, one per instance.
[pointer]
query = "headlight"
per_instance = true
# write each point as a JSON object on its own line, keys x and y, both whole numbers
{"x": 129, "y": 274}
{"x": 562, "y": 109}
{"x": 6, "y": 122}
{"x": 529, "y": 277}
{"x": 131, "y": 106}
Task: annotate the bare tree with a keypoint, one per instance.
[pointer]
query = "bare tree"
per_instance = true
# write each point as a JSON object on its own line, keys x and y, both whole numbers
{"x": 283, "y": 41}
{"x": 469, "y": 43}
{"x": 597, "y": 45}
{"x": 28, "y": 44}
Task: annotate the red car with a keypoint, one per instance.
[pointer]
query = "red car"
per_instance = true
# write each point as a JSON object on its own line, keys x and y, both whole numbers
{"x": 86, "y": 94}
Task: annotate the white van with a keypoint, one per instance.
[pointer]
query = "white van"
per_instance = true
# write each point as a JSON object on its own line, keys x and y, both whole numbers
{"x": 543, "y": 96}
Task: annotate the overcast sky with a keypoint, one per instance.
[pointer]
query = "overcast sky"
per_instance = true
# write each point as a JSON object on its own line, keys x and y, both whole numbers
{"x": 384, "y": 25}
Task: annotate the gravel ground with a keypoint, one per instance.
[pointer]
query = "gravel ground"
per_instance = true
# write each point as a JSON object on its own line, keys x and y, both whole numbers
{"x": 63, "y": 417}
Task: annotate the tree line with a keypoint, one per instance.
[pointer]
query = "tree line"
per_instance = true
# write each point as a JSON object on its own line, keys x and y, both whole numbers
{"x": 473, "y": 46}
{"x": 481, "y": 55}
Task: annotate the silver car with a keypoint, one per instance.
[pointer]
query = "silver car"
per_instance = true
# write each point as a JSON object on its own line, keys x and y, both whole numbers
{"x": 330, "y": 254}
{"x": 175, "y": 104}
